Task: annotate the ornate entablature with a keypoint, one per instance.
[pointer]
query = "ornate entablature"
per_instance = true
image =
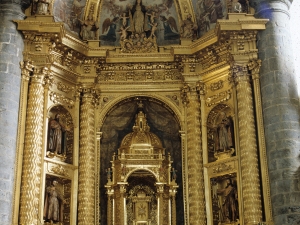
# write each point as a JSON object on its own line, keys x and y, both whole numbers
{"x": 88, "y": 61}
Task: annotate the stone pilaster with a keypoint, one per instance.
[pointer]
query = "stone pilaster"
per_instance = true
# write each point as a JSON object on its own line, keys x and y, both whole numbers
{"x": 33, "y": 150}
{"x": 197, "y": 215}
{"x": 11, "y": 47}
{"x": 248, "y": 147}
{"x": 280, "y": 107}
{"x": 86, "y": 180}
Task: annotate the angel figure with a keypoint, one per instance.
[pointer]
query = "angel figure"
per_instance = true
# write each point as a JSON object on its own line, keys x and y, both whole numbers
{"x": 123, "y": 32}
{"x": 152, "y": 16}
{"x": 124, "y": 18}
{"x": 153, "y": 29}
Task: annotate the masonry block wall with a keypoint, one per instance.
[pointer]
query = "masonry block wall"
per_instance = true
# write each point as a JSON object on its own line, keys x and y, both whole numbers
{"x": 281, "y": 110}
{"x": 11, "y": 48}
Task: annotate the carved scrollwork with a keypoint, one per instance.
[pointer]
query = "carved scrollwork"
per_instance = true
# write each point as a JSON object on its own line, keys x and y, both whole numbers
{"x": 218, "y": 98}
{"x": 59, "y": 170}
{"x": 217, "y": 85}
{"x": 58, "y": 98}
{"x": 221, "y": 168}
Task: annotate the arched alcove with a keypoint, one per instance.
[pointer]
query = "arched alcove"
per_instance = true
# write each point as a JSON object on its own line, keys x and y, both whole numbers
{"x": 119, "y": 122}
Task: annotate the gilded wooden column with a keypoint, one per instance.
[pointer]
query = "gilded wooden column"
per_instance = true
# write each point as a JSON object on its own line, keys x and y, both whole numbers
{"x": 254, "y": 67}
{"x": 86, "y": 179}
{"x": 33, "y": 149}
{"x": 248, "y": 147}
{"x": 160, "y": 203}
{"x": 197, "y": 215}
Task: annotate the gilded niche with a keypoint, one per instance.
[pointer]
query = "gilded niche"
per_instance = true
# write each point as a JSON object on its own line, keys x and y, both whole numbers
{"x": 220, "y": 130}
{"x": 60, "y": 134}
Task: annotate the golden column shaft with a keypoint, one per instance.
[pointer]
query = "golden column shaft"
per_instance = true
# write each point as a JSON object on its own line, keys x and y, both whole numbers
{"x": 196, "y": 203}
{"x": 86, "y": 180}
{"x": 248, "y": 148}
{"x": 33, "y": 148}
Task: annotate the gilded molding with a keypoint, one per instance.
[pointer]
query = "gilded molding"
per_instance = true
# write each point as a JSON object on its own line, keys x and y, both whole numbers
{"x": 217, "y": 85}
{"x": 218, "y": 98}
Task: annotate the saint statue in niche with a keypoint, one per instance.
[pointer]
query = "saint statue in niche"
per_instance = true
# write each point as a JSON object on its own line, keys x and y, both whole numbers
{"x": 56, "y": 136}
{"x": 224, "y": 133}
{"x": 53, "y": 208}
{"x": 229, "y": 208}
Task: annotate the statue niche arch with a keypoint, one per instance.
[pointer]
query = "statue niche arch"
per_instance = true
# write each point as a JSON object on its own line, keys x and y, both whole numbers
{"x": 221, "y": 143}
{"x": 141, "y": 189}
{"x": 60, "y": 134}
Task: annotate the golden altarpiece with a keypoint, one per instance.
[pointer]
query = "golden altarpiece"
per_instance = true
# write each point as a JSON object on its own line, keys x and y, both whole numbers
{"x": 163, "y": 126}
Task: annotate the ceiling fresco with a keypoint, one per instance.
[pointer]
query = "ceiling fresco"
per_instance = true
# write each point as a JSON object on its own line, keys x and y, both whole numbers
{"x": 116, "y": 19}
{"x": 207, "y": 12}
{"x": 70, "y": 12}
{"x": 116, "y": 14}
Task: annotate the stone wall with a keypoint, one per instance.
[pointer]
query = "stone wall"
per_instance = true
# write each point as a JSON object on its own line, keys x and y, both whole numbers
{"x": 280, "y": 110}
{"x": 11, "y": 47}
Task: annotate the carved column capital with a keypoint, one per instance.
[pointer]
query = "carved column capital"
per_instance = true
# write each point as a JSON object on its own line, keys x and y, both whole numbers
{"x": 201, "y": 87}
{"x": 254, "y": 67}
{"x": 239, "y": 73}
{"x": 26, "y": 69}
{"x": 88, "y": 94}
{"x": 189, "y": 91}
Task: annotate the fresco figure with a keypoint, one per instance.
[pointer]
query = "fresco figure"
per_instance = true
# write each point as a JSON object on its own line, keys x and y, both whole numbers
{"x": 230, "y": 202}
{"x": 223, "y": 136}
{"x": 138, "y": 20}
{"x": 109, "y": 30}
{"x": 170, "y": 28}
{"x": 53, "y": 208}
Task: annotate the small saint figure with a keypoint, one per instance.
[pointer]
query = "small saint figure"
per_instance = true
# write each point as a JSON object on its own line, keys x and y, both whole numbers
{"x": 224, "y": 133}
{"x": 236, "y": 6}
{"x": 42, "y": 7}
{"x": 56, "y": 136}
{"x": 108, "y": 173}
{"x": 188, "y": 27}
{"x": 89, "y": 28}
{"x": 174, "y": 175}
{"x": 54, "y": 200}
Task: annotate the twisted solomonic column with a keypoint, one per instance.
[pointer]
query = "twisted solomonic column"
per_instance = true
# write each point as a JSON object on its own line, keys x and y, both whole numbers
{"x": 196, "y": 197}
{"x": 86, "y": 180}
{"x": 33, "y": 148}
{"x": 248, "y": 147}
